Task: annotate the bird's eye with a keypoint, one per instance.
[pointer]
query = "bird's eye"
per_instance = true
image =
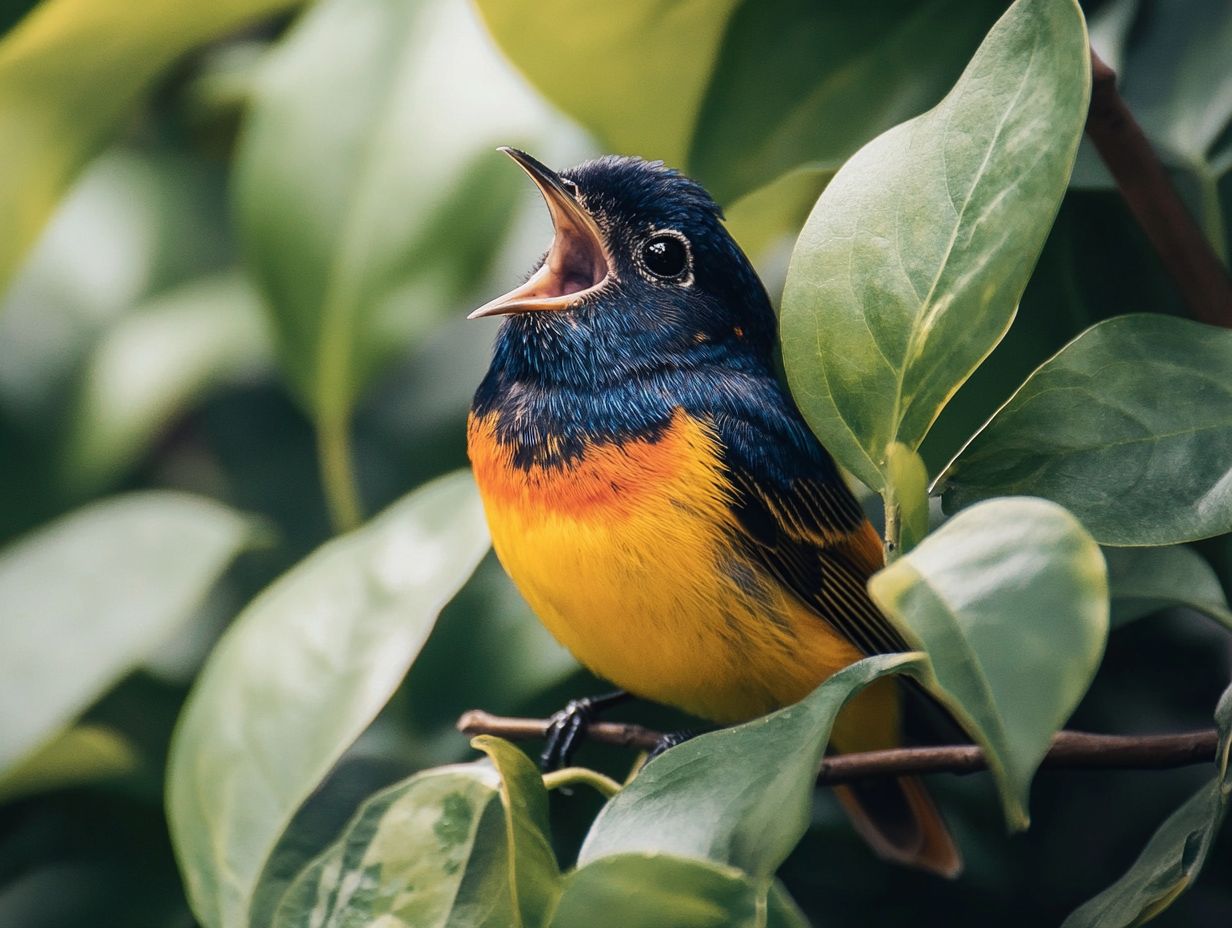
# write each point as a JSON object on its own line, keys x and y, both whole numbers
{"x": 665, "y": 256}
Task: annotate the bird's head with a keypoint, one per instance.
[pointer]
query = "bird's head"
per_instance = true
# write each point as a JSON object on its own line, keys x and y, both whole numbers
{"x": 640, "y": 273}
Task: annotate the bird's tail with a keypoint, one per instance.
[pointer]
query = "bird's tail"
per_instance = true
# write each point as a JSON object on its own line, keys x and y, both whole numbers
{"x": 896, "y": 817}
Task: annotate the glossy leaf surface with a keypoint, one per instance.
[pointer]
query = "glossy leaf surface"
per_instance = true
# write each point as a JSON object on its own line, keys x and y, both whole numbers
{"x": 90, "y": 596}
{"x": 715, "y": 797}
{"x": 1010, "y": 602}
{"x": 298, "y": 677}
{"x": 1129, "y": 426}
{"x": 1174, "y": 856}
{"x": 910, "y": 267}
{"x": 425, "y": 853}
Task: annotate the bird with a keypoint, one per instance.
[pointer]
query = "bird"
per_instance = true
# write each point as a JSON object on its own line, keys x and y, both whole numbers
{"x": 655, "y": 495}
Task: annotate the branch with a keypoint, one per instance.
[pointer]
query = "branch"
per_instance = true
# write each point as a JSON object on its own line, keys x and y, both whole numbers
{"x": 1144, "y": 183}
{"x": 1070, "y": 750}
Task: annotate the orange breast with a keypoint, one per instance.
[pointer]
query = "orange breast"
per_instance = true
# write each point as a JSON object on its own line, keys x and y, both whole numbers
{"x": 626, "y": 556}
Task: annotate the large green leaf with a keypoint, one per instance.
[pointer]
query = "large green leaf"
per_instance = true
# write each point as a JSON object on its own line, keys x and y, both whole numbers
{"x": 362, "y": 227}
{"x": 646, "y": 64}
{"x": 69, "y": 74}
{"x": 799, "y": 82}
{"x": 298, "y": 677}
{"x": 429, "y": 852}
{"x": 534, "y": 877}
{"x": 152, "y": 365}
{"x": 1010, "y": 601}
{"x": 656, "y": 890}
{"x": 1144, "y": 580}
{"x": 89, "y": 597}
{"x": 1174, "y": 856}
{"x": 1129, "y": 426}
{"x": 715, "y": 797}
{"x": 910, "y": 268}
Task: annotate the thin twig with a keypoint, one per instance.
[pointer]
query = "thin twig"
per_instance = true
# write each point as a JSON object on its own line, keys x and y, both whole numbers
{"x": 1071, "y": 750}
{"x": 1200, "y": 277}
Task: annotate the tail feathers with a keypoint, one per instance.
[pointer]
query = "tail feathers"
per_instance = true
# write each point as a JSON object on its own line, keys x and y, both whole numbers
{"x": 901, "y": 824}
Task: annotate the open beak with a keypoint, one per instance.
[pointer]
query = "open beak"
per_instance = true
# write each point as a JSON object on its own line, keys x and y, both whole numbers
{"x": 577, "y": 263}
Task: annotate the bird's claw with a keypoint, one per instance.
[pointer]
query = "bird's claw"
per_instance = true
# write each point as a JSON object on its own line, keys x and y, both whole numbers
{"x": 565, "y": 732}
{"x": 567, "y": 728}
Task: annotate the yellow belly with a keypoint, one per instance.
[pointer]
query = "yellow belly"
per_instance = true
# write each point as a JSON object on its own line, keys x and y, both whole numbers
{"x": 625, "y": 556}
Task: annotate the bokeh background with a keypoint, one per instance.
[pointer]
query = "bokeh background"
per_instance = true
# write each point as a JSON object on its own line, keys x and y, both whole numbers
{"x": 150, "y": 339}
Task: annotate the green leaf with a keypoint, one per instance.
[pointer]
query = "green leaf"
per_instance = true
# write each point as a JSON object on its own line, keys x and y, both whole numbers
{"x": 151, "y": 366}
{"x": 1142, "y": 581}
{"x": 643, "y": 85}
{"x": 362, "y": 229}
{"x": 534, "y": 877}
{"x": 89, "y": 597}
{"x": 83, "y": 754}
{"x": 1010, "y": 601}
{"x": 1174, "y": 856}
{"x": 298, "y": 677}
{"x": 426, "y": 853}
{"x": 717, "y": 798}
{"x": 910, "y": 268}
{"x": 1129, "y": 426}
{"x": 653, "y": 891}
{"x": 799, "y": 82}
{"x": 70, "y": 73}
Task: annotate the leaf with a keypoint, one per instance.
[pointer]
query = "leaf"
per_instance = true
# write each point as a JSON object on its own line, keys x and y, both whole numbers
{"x": 1143, "y": 581}
{"x": 910, "y": 268}
{"x": 426, "y": 853}
{"x": 90, "y": 596}
{"x": 1174, "y": 856}
{"x": 643, "y": 84}
{"x": 346, "y": 205}
{"x": 83, "y": 754}
{"x": 70, "y": 72}
{"x": 534, "y": 877}
{"x": 798, "y": 82}
{"x": 152, "y": 365}
{"x": 715, "y": 797}
{"x": 298, "y": 677}
{"x": 1129, "y": 426}
{"x": 653, "y": 891}
{"x": 1010, "y": 601}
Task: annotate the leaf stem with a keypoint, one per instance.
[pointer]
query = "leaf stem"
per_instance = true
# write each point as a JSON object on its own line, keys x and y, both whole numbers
{"x": 1072, "y": 750}
{"x": 337, "y": 473}
{"x": 893, "y": 526}
{"x": 1199, "y": 275}
{"x": 567, "y": 776}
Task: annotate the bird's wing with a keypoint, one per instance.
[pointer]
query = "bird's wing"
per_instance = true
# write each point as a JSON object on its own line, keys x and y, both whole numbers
{"x": 798, "y": 521}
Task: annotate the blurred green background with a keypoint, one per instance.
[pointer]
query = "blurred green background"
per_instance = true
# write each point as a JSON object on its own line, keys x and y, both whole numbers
{"x": 266, "y": 228}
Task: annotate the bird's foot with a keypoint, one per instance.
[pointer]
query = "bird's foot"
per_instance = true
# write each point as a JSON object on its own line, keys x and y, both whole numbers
{"x": 670, "y": 740}
{"x": 568, "y": 727}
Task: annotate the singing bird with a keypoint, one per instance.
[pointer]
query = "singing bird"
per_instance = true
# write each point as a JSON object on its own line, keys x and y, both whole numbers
{"x": 656, "y": 496}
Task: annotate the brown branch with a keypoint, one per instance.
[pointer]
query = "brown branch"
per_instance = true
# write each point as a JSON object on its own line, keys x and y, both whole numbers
{"x": 1202, "y": 279}
{"x": 1071, "y": 750}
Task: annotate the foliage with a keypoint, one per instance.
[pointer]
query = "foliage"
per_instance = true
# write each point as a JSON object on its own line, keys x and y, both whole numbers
{"x": 242, "y": 237}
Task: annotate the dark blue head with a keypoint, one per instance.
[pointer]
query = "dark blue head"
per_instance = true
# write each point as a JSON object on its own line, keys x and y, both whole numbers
{"x": 641, "y": 278}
